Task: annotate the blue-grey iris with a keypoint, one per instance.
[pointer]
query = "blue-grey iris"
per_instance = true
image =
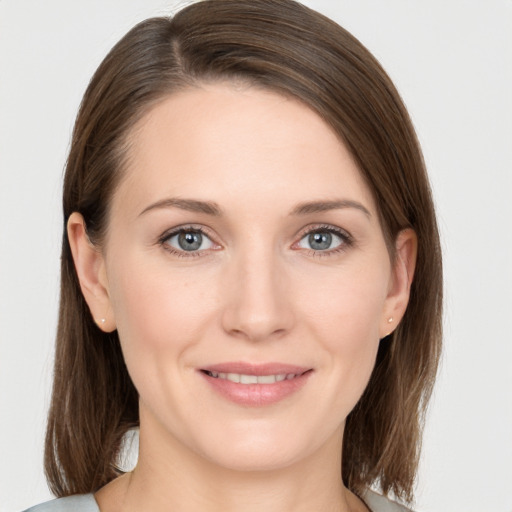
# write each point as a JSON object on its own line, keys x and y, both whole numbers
{"x": 190, "y": 240}
{"x": 320, "y": 241}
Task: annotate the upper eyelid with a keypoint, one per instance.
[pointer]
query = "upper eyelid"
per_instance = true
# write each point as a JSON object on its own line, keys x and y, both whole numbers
{"x": 186, "y": 227}
{"x": 326, "y": 227}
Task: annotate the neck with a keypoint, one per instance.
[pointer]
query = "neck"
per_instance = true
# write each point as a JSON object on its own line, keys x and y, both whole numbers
{"x": 171, "y": 477}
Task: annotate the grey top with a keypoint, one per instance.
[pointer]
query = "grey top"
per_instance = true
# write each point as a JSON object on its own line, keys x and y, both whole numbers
{"x": 87, "y": 503}
{"x": 378, "y": 503}
{"x": 78, "y": 503}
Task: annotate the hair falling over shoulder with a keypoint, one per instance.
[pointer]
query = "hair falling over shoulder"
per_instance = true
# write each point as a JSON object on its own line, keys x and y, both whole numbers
{"x": 290, "y": 49}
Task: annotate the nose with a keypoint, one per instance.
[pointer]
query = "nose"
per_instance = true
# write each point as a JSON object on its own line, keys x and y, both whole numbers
{"x": 258, "y": 303}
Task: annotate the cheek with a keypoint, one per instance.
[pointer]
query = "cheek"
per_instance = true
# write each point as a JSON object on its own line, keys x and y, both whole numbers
{"x": 344, "y": 315}
{"x": 347, "y": 306}
{"x": 157, "y": 312}
{"x": 161, "y": 317}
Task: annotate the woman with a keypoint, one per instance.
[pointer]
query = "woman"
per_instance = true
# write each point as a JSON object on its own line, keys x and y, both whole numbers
{"x": 251, "y": 272}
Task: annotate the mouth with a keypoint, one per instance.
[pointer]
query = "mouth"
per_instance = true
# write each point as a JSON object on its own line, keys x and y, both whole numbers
{"x": 243, "y": 378}
{"x": 255, "y": 385}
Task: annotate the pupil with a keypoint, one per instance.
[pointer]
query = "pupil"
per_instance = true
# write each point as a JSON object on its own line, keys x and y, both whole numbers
{"x": 320, "y": 241}
{"x": 190, "y": 241}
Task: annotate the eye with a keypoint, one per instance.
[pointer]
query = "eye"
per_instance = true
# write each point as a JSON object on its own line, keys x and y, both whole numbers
{"x": 324, "y": 239}
{"x": 188, "y": 240}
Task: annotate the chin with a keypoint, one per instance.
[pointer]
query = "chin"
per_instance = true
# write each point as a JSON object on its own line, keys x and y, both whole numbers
{"x": 260, "y": 447}
{"x": 255, "y": 458}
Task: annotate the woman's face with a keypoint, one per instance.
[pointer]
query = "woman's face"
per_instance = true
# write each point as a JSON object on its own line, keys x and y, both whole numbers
{"x": 244, "y": 245}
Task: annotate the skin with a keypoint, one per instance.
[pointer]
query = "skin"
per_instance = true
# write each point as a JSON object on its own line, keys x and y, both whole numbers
{"x": 256, "y": 291}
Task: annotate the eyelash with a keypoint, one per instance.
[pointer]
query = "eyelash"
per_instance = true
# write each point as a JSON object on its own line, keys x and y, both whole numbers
{"x": 347, "y": 240}
{"x": 176, "y": 231}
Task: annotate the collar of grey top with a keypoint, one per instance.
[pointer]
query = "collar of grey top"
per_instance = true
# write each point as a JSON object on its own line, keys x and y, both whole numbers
{"x": 378, "y": 503}
{"x": 78, "y": 503}
{"x": 87, "y": 503}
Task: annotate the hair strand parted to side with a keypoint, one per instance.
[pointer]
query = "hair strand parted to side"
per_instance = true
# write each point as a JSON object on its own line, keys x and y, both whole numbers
{"x": 292, "y": 50}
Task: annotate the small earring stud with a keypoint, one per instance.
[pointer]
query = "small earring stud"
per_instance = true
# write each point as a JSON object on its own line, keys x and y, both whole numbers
{"x": 390, "y": 319}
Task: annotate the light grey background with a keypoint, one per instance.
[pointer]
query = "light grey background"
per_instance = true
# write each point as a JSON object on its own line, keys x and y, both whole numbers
{"x": 452, "y": 62}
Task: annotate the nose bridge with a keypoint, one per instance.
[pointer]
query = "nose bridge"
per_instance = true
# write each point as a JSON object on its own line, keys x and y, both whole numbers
{"x": 259, "y": 304}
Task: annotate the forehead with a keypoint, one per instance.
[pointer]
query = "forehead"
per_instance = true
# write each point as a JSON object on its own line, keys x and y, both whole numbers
{"x": 226, "y": 142}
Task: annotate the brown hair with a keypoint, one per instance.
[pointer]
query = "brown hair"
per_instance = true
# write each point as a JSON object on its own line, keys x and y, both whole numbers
{"x": 288, "y": 48}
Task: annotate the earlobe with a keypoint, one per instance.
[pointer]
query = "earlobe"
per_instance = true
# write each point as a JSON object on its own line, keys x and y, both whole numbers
{"x": 406, "y": 246}
{"x": 90, "y": 268}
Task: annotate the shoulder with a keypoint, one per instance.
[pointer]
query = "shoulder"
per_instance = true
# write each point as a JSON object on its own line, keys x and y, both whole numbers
{"x": 79, "y": 503}
{"x": 378, "y": 503}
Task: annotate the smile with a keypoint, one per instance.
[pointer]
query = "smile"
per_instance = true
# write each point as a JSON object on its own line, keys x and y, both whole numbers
{"x": 242, "y": 378}
{"x": 255, "y": 385}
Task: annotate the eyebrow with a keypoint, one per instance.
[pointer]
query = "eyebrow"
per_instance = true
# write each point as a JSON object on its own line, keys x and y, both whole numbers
{"x": 191, "y": 205}
{"x": 323, "y": 206}
{"x": 212, "y": 208}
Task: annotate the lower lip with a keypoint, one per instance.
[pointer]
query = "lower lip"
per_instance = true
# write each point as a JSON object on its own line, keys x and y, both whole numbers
{"x": 256, "y": 395}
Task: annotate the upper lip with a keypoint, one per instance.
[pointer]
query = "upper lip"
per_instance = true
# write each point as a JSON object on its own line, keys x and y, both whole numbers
{"x": 244, "y": 368}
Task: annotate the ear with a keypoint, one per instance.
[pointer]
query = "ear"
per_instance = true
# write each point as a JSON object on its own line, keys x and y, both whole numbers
{"x": 406, "y": 247}
{"x": 90, "y": 268}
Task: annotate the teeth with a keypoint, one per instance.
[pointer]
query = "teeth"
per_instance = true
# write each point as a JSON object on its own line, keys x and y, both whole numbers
{"x": 253, "y": 379}
{"x": 266, "y": 379}
{"x": 248, "y": 379}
